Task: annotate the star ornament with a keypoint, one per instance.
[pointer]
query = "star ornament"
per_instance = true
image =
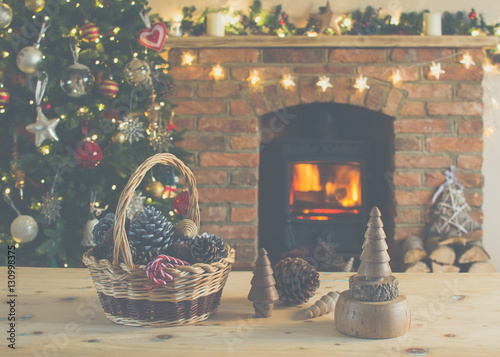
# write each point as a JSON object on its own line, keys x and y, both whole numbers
{"x": 436, "y": 70}
{"x": 361, "y": 84}
{"x": 329, "y": 20}
{"x": 467, "y": 60}
{"x": 324, "y": 83}
{"x": 43, "y": 128}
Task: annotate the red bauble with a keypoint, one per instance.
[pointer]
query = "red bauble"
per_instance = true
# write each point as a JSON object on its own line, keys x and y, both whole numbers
{"x": 472, "y": 15}
{"x": 109, "y": 88}
{"x": 4, "y": 97}
{"x": 88, "y": 154}
{"x": 181, "y": 203}
{"x": 90, "y": 32}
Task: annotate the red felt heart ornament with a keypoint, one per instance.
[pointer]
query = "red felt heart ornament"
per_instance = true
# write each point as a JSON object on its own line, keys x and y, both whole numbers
{"x": 153, "y": 37}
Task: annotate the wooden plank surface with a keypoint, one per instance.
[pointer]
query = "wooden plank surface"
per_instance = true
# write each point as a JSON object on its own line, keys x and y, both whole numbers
{"x": 453, "y": 315}
{"x": 331, "y": 41}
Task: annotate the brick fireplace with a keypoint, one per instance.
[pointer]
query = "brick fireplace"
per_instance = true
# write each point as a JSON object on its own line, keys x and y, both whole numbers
{"x": 437, "y": 123}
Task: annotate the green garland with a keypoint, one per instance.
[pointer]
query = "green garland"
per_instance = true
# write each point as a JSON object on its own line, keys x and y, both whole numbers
{"x": 371, "y": 21}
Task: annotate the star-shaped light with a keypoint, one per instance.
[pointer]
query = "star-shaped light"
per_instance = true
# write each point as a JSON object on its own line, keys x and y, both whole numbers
{"x": 436, "y": 70}
{"x": 396, "y": 78}
{"x": 324, "y": 83}
{"x": 217, "y": 72}
{"x": 467, "y": 60}
{"x": 187, "y": 59}
{"x": 254, "y": 77}
{"x": 287, "y": 81}
{"x": 329, "y": 20}
{"x": 489, "y": 131}
{"x": 361, "y": 84}
{"x": 43, "y": 128}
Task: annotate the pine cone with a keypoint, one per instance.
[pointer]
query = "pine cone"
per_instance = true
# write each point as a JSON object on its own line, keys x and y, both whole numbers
{"x": 142, "y": 257}
{"x": 296, "y": 280}
{"x": 101, "y": 227}
{"x": 207, "y": 248}
{"x": 104, "y": 250}
{"x": 180, "y": 251}
{"x": 150, "y": 230}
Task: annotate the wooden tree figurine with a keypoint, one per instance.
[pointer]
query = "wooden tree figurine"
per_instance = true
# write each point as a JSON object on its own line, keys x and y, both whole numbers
{"x": 372, "y": 307}
{"x": 263, "y": 292}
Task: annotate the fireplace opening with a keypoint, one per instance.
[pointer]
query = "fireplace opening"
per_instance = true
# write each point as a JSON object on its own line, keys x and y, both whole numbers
{"x": 321, "y": 171}
{"x": 321, "y": 191}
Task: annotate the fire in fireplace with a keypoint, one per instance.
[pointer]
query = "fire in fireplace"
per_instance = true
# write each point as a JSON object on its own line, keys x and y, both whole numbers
{"x": 321, "y": 175}
{"x": 321, "y": 191}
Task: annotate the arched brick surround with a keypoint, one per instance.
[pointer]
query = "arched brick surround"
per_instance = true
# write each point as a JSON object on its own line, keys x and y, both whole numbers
{"x": 437, "y": 124}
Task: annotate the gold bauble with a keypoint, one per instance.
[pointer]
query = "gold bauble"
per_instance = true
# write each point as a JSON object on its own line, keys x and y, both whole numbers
{"x": 155, "y": 189}
{"x": 119, "y": 137}
{"x": 34, "y": 5}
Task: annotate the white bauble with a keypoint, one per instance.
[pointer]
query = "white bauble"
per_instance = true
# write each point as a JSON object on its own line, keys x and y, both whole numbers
{"x": 24, "y": 229}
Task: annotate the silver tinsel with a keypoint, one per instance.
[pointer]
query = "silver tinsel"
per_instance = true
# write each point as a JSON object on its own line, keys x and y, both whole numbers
{"x": 161, "y": 140}
{"x": 133, "y": 128}
{"x": 136, "y": 204}
{"x": 51, "y": 207}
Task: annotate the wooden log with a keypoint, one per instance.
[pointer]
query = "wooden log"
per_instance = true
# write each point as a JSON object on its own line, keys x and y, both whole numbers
{"x": 462, "y": 241}
{"x": 444, "y": 268}
{"x": 418, "y": 267}
{"x": 413, "y": 250}
{"x": 473, "y": 252}
{"x": 383, "y": 289}
{"x": 482, "y": 267}
{"x": 442, "y": 254}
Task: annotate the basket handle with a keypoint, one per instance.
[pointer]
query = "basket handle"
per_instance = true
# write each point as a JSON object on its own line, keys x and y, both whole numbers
{"x": 121, "y": 247}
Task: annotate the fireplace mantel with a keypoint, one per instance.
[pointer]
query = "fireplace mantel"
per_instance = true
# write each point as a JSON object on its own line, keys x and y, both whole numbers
{"x": 332, "y": 41}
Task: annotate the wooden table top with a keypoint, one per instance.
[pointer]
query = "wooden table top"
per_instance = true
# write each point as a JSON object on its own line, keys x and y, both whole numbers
{"x": 58, "y": 314}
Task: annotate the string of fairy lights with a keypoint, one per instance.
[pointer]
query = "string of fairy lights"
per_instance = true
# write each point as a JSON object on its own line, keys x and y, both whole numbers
{"x": 361, "y": 82}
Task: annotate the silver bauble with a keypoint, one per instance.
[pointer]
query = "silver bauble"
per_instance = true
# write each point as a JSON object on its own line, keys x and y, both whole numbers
{"x": 28, "y": 59}
{"x": 5, "y": 15}
{"x": 24, "y": 229}
{"x": 77, "y": 80}
{"x": 138, "y": 72}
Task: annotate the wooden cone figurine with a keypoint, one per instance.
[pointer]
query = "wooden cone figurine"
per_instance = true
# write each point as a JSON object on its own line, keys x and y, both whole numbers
{"x": 372, "y": 307}
{"x": 263, "y": 292}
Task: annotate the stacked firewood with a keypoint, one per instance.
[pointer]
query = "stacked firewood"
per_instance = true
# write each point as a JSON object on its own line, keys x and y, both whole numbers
{"x": 445, "y": 255}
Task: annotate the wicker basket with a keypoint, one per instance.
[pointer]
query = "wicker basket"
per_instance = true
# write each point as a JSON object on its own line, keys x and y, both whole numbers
{"x": 192, "y": 296}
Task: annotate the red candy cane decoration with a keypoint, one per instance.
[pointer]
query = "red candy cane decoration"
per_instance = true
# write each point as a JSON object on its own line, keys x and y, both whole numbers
{"x": 155, "y": 272}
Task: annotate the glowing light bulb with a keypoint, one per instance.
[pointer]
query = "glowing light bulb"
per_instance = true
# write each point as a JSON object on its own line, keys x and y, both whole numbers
{"x": 361, "y": 84}
{"x": 217, "y": 72}
{"x": 395, "y": 20}
{"x": 487, "y": 132}
{"x": 347, "y": 22}
{"x": 187, "y": 59}
{"x": 257, "y": 19}
{"x": 487, "y": 67}
{"x": 396, "y": 78}
{"x": 324, "y": 83}
{"x": 254, "y": 77}
{"x": 287, "y": 82}
{"x": 467, "y": 60}
{"x": 436, "y": 70}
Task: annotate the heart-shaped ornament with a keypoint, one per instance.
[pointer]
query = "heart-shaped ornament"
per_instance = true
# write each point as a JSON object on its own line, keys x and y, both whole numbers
{"x": 153, "y": 37}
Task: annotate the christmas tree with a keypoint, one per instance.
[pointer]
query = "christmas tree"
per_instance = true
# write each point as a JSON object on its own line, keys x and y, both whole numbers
{"x": 82, "y": 104}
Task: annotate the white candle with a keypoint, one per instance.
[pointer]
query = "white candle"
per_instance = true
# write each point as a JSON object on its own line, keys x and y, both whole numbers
{"x": 215, "y": 24}
{"x": 432, "y": 24}
{"x": 175, "y": 29}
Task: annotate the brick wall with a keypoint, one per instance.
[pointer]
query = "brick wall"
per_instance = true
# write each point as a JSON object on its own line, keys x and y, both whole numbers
{"x": 437, "y": 123}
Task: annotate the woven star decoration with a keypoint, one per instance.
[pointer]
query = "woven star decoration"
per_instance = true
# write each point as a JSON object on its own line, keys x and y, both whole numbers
{"x": 43, "y": 128}
{"x": 328, "y": 20}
